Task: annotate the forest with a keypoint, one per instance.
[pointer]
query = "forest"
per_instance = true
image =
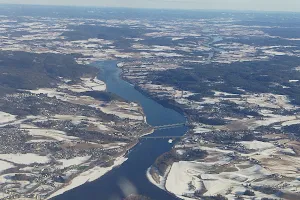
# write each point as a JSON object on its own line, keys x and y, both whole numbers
{"x": 272, "y": 76}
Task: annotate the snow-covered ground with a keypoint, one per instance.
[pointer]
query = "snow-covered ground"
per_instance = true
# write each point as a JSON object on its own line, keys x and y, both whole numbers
{"x": 121, "y": 109}
{"x": 199, "y": 128}
{"x": 6, "y": 117}
{"x": 25, "y": 159}
{"x": 218, "y": 173}
{"x": 257, "y": 145}
{"x": 181, "y": 175}
{"x": 124, "y": 110}
{"x": 50, "y": 133}
{"x": 150, "y": 178}
{"x": 94, "y": 84}
{"x": 271, "y": 119}
{"x": 88, "y": 176}
{"x": 87, "y": 84}
{"x": 170, "y": 91}
{"x": 73, "y": 161}
{"x": 292, "y": 122}
{"x": 5, "y": 165}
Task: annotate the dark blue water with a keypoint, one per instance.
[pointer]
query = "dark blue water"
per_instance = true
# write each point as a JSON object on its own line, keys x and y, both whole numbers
{"x": 133, "y": 172}
{"x": 156, "y": 113}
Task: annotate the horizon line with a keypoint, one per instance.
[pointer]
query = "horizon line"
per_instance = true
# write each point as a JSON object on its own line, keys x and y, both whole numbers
{"x": 150, "y": 8}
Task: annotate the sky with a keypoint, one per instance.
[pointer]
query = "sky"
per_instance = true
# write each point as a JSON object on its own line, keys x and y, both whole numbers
{"x": 257, "y": 5}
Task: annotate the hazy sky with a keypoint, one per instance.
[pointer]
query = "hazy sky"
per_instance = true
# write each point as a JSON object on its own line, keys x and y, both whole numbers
{"x": 268, "y": 5}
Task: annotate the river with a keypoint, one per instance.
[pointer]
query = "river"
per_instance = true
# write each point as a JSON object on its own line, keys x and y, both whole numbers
{"x": 131, "y": 175}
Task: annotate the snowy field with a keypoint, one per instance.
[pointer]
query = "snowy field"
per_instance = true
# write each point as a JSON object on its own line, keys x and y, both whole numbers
{"x": 25, "y": 159}
{"x": 218, "y": 173}
{"x": 6, "y": 118}
{"x": 5, "y": 165}
{"x": 73, "y": 161}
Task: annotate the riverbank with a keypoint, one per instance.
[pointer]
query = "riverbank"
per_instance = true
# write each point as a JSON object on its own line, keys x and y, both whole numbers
{"x": 166, "y": 103}
{"x": 96, "y": 172}
{"x": 140, "y": 155}
{"x": 88, "y": 176}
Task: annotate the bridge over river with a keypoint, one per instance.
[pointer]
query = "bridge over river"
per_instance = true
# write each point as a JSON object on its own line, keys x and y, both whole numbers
{"x": 161, "y": 137}
{"x": 169, "y": 126}
{"x": 163, "y": 127}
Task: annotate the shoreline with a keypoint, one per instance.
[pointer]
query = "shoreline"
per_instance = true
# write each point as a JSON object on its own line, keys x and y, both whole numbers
{"x": 88, "y": 176}
{"x": 169, "y": 105}
{"x": 165, "y": 103}
{"x": 162, "y": 186}
{"x": 96, "y": 172}
{"x": 150, "y": 178}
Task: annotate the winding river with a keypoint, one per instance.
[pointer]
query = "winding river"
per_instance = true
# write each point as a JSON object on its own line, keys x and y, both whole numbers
{"x": 131, "y": 175}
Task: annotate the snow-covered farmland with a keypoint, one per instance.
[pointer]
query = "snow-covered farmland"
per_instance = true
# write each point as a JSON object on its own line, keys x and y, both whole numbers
{"x": 5, "y": 165}
{"x": 6, "y": 118}
{"x": 25, "y": 159}
{"x": 73, "y": 161}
